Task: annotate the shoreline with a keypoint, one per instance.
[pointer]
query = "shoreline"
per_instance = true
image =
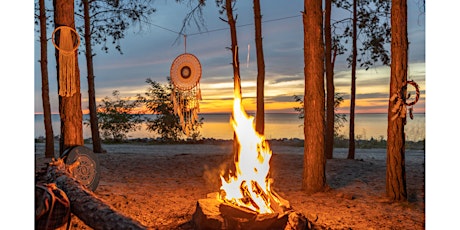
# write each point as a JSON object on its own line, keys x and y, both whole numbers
{"x": 338, "y": 143}
{"x": 277, "y": 126}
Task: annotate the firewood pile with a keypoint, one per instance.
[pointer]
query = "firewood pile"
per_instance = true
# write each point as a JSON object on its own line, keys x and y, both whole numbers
{"x": 211, "y": 213}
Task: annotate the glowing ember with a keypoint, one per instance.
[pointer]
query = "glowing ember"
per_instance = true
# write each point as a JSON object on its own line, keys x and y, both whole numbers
{"x": 250, "y": 185}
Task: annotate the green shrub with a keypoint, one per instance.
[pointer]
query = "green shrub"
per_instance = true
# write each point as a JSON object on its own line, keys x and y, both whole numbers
{"x": 117, "y": 117}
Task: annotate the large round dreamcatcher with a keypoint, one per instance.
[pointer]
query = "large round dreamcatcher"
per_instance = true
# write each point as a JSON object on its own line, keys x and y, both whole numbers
{"x": 185, "y": 77}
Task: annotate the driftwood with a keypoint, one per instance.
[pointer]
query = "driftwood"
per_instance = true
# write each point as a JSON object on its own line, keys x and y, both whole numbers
{"x": 84, "y": 203}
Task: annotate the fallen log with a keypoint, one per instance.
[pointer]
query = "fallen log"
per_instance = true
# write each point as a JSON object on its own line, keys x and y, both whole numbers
{"x": 84, "y": 203}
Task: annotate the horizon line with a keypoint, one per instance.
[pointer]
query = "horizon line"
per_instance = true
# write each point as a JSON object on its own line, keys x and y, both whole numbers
{"x": 225, "y": 113}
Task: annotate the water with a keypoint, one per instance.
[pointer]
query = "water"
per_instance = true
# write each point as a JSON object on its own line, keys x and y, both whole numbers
{"x": 277, "y": 126}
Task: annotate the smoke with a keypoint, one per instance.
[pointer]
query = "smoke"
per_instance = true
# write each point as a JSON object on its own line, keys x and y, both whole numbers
{"x": 211, "y": 174}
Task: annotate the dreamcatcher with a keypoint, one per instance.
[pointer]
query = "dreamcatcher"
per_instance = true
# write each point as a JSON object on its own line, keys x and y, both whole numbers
{"x": 185, "y": 76}
{"x": 69, "y": 40}
{"x": 402, "y": 102}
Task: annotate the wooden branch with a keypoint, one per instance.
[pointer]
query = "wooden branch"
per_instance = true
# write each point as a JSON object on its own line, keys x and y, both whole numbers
{"x": 85, "y": 204}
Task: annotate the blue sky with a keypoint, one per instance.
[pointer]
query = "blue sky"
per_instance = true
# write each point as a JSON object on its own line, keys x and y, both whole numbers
{"x": 149, "y": 52}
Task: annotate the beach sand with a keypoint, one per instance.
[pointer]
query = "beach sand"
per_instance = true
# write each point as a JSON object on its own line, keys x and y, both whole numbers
{"x": 159, "y": 185}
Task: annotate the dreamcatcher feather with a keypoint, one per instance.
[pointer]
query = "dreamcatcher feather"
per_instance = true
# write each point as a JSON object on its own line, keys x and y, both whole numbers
{"x": 185, "y": 76}
{"x": 67, "y": 48}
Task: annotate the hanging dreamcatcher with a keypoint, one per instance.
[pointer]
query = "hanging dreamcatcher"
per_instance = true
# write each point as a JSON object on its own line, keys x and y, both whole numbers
{"x": 69, "y": 40}
{"x": 185, "y": 77}
{"x": 402, "y": 102}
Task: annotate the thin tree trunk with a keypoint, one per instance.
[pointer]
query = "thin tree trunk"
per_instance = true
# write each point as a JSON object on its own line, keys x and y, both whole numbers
{"x": 49, "y": 135}
{"x": 235, "y": 63}
{"x": 260, "y": 113}
{"x": 329, "y": 141}
{"x": 351, "y": 145}
{"x": 97, "y": 147}
{"x": 314, "y": 176}
{"x": 396, "y": 169}
{"x": 69, "y": 107}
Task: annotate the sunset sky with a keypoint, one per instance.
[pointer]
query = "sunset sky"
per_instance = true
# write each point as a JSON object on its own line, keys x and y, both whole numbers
{"x": 149, "y": 55}
{"x": 150, "y": 51}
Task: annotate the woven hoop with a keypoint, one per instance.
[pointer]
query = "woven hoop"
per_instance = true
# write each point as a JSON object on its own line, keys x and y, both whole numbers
{"x": 63, "y": 51}
{"x": 417, "y": 92}
{"x": 185, "y": 71}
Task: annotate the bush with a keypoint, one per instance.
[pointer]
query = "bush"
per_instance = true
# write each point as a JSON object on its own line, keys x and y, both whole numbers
{"x": 166, "y": 123}
{"x": 117, "y": 117}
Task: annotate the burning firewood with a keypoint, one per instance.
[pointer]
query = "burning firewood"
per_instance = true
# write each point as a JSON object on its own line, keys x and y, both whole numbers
{"x": 211, "y": 213}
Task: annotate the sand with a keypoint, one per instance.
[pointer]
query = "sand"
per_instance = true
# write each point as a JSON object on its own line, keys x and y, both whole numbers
{"x": 159, "y": 185}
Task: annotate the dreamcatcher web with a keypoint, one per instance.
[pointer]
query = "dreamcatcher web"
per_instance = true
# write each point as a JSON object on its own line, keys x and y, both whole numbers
{"x": 185, "y": 76}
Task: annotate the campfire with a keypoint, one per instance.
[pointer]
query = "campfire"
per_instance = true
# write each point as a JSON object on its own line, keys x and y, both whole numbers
{"x": 246, "y": 199}
{"x": 250, "y": 186}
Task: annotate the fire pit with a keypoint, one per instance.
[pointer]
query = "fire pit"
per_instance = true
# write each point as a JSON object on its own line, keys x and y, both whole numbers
{"x": 246, "y": 199}
{"x": 212, "y": 213}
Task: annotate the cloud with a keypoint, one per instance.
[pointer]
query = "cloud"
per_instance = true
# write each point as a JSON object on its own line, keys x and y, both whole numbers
{"x": 150, "y": 52}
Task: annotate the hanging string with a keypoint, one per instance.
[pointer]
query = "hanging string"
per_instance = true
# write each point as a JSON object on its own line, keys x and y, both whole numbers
{"x": 67, "y": 73}
{"x": 219, "y": 29}
{"x": 185, "y": 43}
{"x": 247, "y": 59}
{"x": 186, "y": 107}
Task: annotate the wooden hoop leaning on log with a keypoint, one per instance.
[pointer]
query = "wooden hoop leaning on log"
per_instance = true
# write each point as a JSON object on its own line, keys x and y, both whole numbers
{"x": 83, "y": 165}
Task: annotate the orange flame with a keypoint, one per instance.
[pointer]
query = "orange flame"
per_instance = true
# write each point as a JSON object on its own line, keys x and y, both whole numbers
{"x": 250, "y": 186}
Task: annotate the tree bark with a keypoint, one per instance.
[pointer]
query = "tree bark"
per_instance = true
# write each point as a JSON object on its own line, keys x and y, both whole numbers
{"x": 49, "y": 145}
{"x": 69, "y": 107}
{"x": 351, "y": 144}
{"x": 260, "y": 113}
{"x": 330, "y": 113}
{"x": 97, "y": 146}
{"x": 85, "y": 204}
{"x": 236, "y": 63}
{"x": 314, "y": 176}
{"x": 396, "y": 172}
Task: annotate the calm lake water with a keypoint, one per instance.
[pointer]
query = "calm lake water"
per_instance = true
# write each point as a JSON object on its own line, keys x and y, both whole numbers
{"x": 277, "y": 126}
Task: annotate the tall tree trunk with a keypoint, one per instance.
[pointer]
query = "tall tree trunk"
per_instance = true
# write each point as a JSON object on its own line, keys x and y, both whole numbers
{"x": 314, "y": 176}
{"x": 260, "y": 113}
{"x": 236, "y": 63}
{"x": 351, "y": 145}
{"x": 396, "y": 169}
{"x": 49, "y": 135}
{"x": 69, "y": 107}
{"x": 329, "y": 141}
{"x": 97, "y": 147}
